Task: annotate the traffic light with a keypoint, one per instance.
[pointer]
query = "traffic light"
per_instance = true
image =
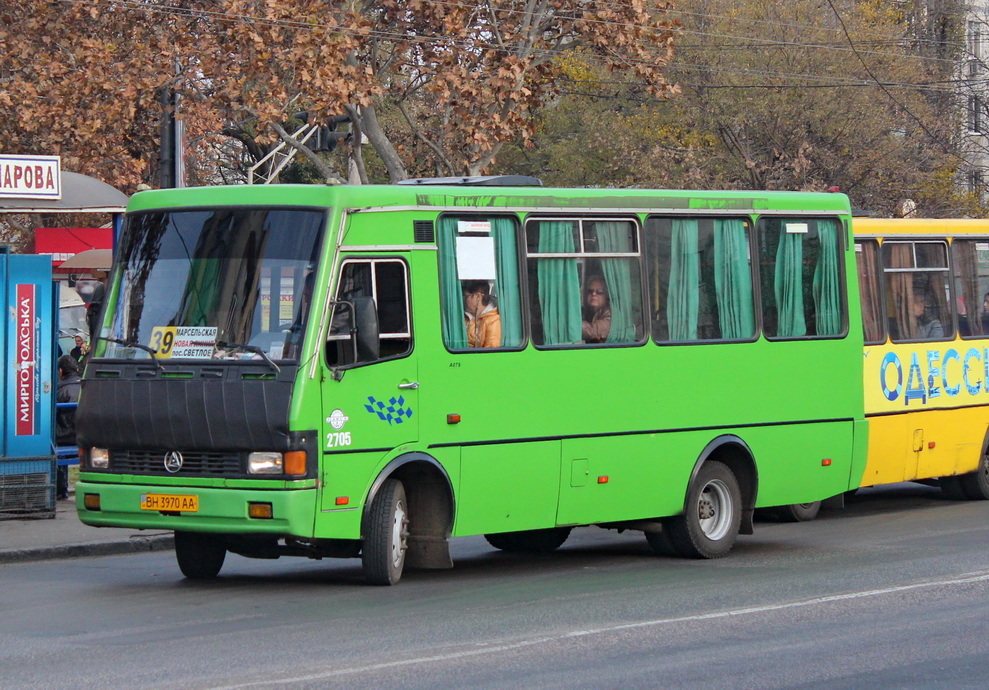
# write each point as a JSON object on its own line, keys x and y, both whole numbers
{"x": 325, "y": 138}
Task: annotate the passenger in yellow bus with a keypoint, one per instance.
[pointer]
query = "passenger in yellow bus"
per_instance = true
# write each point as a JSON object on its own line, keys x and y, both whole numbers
{"x": 927, "y": 327}
{"x": 597, "y": 311}
{"x": 481, "y": 314}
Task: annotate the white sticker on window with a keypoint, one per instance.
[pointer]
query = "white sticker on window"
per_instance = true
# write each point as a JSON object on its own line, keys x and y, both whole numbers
{"x": 476, "y": 258}
{"x": 982, "y": 246}
{"x": 473, "y": 226}
{"x": 794, "y": 228}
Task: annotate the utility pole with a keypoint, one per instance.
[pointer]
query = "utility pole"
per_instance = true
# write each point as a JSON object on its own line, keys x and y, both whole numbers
{"x": 166, "y": 156}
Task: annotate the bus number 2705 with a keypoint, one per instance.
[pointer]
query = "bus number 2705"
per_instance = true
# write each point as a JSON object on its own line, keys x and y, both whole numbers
{"x": 335, "y": 439}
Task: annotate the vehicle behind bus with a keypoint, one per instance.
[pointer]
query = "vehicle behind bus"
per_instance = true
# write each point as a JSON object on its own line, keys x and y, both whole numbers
{"x": 925, "y": 306}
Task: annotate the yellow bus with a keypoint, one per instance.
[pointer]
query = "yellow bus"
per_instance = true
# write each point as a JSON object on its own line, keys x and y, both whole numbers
{"x": 924, "y": 288}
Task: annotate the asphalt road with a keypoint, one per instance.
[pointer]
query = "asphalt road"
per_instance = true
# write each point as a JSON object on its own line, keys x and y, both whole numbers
{"x": 892, "y": 592}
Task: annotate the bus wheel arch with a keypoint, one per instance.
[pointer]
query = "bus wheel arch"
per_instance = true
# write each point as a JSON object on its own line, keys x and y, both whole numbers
{"x": 718, "y": 504}
{"x": 429, "y": 499}
{"x": 733, "y": 452}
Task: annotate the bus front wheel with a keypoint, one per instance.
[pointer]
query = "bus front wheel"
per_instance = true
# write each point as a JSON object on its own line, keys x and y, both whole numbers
{"x": 200, "y": 556}
{"x": 973, "y": 486}
{"x": 976, "y": 484}
{"x": 709, "y": 526}
{"x": 387, "y": 534}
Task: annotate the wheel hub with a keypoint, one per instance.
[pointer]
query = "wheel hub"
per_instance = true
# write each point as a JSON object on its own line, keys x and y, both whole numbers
{"x": 399, "y": 535}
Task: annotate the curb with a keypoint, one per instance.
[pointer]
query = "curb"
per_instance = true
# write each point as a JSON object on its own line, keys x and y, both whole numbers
{"x": 164, "y": 542}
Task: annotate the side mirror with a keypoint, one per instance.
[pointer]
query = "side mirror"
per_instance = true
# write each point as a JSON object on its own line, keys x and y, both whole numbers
{"x": 353, "y": 336}
{"x": 367, "y": 343}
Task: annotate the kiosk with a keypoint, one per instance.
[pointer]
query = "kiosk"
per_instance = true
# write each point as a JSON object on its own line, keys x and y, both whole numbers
{"x": 28, "y": 378}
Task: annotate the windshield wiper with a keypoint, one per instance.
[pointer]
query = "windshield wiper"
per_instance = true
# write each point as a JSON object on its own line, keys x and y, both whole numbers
{"x": 244, "y": 347}
{"x": 139, "y": 346}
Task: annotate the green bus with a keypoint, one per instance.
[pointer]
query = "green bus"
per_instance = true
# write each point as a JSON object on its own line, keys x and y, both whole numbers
{"x": 368, "y": 371}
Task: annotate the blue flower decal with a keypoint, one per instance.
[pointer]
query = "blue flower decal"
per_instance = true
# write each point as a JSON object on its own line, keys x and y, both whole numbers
{"x": 392, "y": 411}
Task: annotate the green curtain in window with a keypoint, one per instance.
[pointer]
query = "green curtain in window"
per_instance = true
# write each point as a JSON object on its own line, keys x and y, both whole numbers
{"x": 684, "y": 292}
{"x": 509, "y": 305}
{"x": 199, "y": 300}
{"x": 452, "y": 299}
{"x": 559, "y": 285}
{"x": 827, "y": 288}
{"x": 614, "y": 237}
{"x": 732, "y": 279}
{"x": 788, "y": 286}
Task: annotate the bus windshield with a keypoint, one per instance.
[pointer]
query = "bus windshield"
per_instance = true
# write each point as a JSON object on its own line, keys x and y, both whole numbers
{"x": 215, "y": 284}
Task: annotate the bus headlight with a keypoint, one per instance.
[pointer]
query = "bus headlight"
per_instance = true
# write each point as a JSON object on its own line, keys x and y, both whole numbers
{"x": 264, "y": 463}
{"x": 99, "y": 458}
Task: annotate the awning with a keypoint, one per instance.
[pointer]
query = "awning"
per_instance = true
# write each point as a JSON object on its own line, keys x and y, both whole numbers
{"x": 80, "y": 193}
{"x": 93, "y": 259}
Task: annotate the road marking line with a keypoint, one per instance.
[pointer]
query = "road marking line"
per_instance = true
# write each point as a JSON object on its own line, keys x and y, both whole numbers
{"x": 969, "y": 579}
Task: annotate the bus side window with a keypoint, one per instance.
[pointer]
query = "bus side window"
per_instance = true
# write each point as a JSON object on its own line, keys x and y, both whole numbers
{"x": 917, "y": 290}
{"x": 800, "y": 272}
{"x": 478, "y": 255}
{"x": 700, "y": 278}
{"x": 585, "y": 279}
{"x": 970, "y": 260}
{"x": 869, "y": 271}
{"x": 386, "y": 282}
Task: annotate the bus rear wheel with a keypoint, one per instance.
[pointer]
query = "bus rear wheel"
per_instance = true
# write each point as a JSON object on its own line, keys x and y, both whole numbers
{"x": 709, "y": 526}
{"x": 530, "y": 541}
{"x": 799, "y": 512}
{"x": 387, "y": 534}
{"x": 200, "y": 556}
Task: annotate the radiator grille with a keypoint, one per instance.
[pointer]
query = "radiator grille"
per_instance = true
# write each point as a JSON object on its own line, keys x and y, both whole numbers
{"x": 194, "y": 463}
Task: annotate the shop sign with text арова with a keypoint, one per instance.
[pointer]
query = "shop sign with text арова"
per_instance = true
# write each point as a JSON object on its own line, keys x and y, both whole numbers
{"x": 30, "y": 177}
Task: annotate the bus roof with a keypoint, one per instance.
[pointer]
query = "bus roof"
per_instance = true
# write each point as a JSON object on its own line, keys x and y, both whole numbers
{"x": 472, "y": 198}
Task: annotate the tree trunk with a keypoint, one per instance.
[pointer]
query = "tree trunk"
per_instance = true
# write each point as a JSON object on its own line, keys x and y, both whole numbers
{"x": 382, "y": 146}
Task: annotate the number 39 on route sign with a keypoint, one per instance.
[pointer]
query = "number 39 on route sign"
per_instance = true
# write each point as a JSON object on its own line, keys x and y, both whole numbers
{"x": 183, "y": 341}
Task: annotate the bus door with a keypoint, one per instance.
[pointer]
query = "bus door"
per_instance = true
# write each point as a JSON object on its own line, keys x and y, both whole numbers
{"x": 370, "y": 396}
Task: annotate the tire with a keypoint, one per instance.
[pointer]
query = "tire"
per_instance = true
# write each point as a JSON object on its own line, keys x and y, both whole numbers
{"x": 386, "y": 535}
{"x": 200, "y": 556}
{"x": 530, "y": 541}
{"x": 976, "y": 484}
{"x": 799, "y": 512}
{"x": 709, "y": 526}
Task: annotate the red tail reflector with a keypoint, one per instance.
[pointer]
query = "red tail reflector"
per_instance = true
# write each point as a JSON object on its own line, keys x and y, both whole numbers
{"x": 826, "y": 462}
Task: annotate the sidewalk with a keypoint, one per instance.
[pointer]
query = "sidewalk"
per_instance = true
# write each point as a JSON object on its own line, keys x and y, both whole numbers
{"x": 67, "y": 537}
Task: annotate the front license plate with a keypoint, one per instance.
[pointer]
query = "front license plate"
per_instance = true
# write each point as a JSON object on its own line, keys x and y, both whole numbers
{"x": 180, "y": 503}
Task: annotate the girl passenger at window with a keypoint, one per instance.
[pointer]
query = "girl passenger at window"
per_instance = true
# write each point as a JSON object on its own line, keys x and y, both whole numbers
{"x": 928, "y": 326}
{"x": 597, "y": 311}
{"x": 481, "y": 313}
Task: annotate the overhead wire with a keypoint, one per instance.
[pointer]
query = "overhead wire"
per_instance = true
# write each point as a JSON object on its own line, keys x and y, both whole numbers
{"x": 808, "y": 80}
{"x": 143, "y": 5}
